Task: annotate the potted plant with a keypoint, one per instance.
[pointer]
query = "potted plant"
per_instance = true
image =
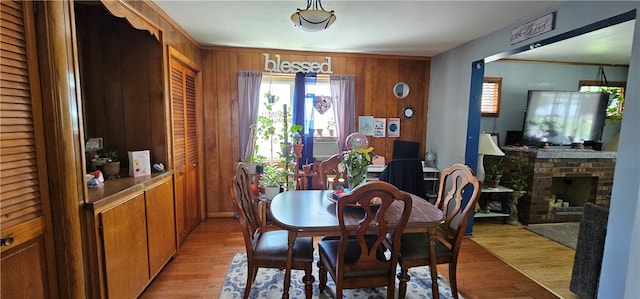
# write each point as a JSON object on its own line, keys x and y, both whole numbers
{"x": 331, "y": 126}
{"x": 296, "y": 138}
{"x": 493, "y": 173}
{"x": 270, "y": 180}
{"x": 110, "y": 163}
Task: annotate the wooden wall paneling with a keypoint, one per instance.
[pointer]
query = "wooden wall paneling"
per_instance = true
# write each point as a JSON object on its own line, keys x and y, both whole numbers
{"x": 227, "y": 157}
{"x": 210, "y": 106}
{"x": 135, "y": 92}
{"x": 158, "y": 105}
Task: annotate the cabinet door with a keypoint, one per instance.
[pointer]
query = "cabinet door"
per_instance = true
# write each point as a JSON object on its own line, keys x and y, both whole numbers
{"x": 26, "y": 270}
{"x": 160, "y": 226}
{"x": 124, "y": 237}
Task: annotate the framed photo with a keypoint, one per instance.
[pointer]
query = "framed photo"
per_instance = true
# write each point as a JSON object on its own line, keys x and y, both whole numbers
{"x": 379, "y": 127}
{"x": 365, "y": 125}
{"x": 393, "y": 128}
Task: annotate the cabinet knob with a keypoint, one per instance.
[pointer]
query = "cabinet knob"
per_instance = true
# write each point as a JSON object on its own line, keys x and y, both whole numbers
{"x": 6, "y": 241}
{"x": 194, "y": 165}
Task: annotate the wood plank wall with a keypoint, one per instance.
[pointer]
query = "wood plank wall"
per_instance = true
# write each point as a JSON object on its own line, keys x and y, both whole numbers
{"x": 122, "y": 85}
{"x": 375, "y": 77}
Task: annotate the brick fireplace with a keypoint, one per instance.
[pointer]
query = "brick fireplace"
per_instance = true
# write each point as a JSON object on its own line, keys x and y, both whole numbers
{"x": 561, "y": 181}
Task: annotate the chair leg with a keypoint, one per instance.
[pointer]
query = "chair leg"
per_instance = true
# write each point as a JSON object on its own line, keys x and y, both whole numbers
{"x": 322, "y": 275}
{"x": 308, "y": 280}
{"x": 403, "y": 277}
{"x": 391, "y": 287}
{"x": 251, "y": 276}
{"x": 453, "y": 281}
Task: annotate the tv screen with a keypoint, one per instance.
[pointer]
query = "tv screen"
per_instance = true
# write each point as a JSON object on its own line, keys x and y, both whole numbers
{"x": 406, "y": 149}
{"x": 563, "y": 117}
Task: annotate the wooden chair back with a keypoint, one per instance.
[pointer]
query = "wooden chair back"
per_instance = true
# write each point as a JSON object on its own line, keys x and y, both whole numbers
{"x": 374, "y": 198}
{"x": 329, "y": 167}
{"x": 246, "y": 207}
{"x": 457, "y": 183}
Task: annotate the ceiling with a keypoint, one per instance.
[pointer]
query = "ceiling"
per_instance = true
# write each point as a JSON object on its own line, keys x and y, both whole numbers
{"x": 413, "y": 28}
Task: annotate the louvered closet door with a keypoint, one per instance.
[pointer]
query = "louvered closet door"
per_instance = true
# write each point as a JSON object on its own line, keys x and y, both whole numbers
{"x": 191, "y": 184}
{"x": 185, "y": 148}
{"x": 24, "y": 201}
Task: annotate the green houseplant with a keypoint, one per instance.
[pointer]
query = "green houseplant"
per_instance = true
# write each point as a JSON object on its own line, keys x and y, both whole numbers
{"x": 271, "y": 178}
{"x": 493, "y": 171}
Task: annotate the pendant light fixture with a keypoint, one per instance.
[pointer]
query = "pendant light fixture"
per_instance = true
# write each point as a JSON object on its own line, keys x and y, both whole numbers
{"x": 313, "y": 18}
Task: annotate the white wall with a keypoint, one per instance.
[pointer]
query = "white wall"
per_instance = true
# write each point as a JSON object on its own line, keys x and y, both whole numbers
{"x": 447, "y": 126}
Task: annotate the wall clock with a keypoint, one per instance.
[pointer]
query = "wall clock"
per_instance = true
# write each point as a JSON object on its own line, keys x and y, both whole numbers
{"x": 408, "y": 112}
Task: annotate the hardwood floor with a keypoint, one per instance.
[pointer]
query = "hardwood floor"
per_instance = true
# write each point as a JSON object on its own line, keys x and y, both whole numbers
{"x": 199, "y": 270}
{"x": 544, "y": 261}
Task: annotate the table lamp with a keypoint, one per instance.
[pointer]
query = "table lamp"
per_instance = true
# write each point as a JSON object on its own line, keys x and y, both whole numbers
{"x": 486, "y": 146}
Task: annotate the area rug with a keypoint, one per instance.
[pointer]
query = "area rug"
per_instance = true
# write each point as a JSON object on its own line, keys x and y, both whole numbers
{"x": 564, "y": 233}
{"x": 269, "y": 282}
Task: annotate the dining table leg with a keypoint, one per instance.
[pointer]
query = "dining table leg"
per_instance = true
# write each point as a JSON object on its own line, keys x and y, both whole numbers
{"x": 287, "y": 273}
{"x": 432, "y": 261}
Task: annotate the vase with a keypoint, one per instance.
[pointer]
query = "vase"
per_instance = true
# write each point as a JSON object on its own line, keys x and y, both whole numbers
{"x": 356, "y": 177}
{"x": 271, "y": 192}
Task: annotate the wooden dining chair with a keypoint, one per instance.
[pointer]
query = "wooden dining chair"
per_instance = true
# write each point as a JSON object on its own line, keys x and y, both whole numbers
{"x": 329, "y": 167}
{"x": 266, "y": 248}
{"x": 362, "y": 257}
{"x": 456, "y": 183}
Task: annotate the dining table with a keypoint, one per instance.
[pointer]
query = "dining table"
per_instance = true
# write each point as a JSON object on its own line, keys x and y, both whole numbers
{"x": 314, "y": 213}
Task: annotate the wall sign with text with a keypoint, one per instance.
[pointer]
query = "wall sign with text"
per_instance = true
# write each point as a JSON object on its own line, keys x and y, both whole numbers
{"x": 278, "y": 66}
{"x": 533, "y": 28}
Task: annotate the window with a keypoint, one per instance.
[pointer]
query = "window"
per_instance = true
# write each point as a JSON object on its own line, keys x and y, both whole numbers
{"x": 616, "y": 89}
{"x": 490, "y": 102}
{"x": 281, "y": 89}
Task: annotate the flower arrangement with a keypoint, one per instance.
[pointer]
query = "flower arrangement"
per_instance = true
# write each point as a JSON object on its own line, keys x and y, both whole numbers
{"x": 355, "y": 161}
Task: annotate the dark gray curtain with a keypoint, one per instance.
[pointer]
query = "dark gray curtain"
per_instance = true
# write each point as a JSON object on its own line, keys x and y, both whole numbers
{"x": 248, "y": 104}
{"x": 343, "y": 93}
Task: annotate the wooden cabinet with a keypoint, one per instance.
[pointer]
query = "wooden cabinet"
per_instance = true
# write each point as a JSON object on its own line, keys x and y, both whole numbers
{"x": 186, "y": 152}
{"x": 124, "y": 239}
{"x": 27, "y": 264}
{"x": 134, "y": 234}
{"x": 160, "y": 226}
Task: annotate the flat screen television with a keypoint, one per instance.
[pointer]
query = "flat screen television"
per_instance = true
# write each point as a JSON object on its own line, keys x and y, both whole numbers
{"x": 563, "y": 117}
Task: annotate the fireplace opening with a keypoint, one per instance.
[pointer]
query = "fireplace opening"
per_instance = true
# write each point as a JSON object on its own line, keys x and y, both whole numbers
{"x": 572, "y": 193}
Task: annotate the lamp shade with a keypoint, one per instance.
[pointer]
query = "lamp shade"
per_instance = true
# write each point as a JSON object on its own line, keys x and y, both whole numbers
{"x": 486, "y": 146}
{"x": 313, "y": 18}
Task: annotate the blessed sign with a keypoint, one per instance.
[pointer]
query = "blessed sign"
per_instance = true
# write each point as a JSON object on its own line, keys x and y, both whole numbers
{"x": 277, "y": 66}
{"x": 533, "y": 28}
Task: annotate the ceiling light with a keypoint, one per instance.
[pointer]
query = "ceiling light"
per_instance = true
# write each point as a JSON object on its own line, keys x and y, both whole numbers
{"x": 314, "y": 17}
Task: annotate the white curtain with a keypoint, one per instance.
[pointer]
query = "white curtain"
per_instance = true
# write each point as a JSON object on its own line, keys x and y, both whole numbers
{"x": 343, "y": 93}
{"x": 248, "y": 104}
